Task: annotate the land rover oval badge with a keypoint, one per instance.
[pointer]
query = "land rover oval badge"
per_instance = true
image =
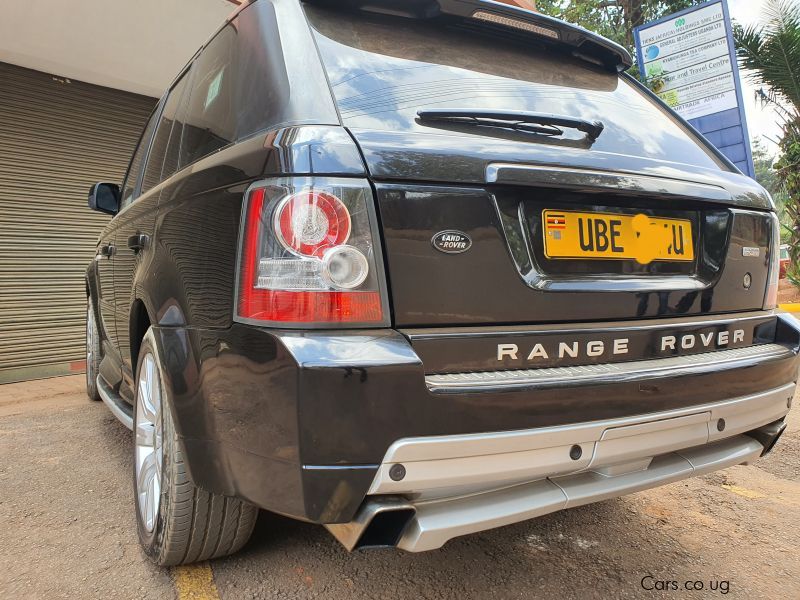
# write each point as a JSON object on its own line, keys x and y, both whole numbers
{"x": 451, "y": 241}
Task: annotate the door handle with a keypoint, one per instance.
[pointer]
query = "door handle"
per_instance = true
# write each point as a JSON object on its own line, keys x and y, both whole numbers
{"x": 107, "y": 250}
{"x": 137, "y": 242}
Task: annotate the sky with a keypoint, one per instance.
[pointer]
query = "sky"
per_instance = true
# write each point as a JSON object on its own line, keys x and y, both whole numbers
{"x": 761, "y": 122}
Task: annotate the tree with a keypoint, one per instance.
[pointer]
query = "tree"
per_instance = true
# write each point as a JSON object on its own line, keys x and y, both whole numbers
{"x": 766, "y": 175}
{"x": 770, "y": 54}
{"x": 614, "y": 19}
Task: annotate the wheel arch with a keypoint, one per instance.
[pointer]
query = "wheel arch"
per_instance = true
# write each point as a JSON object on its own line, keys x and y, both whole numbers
{"x": 139, "y": 322}
{"x": 93, "y": 296}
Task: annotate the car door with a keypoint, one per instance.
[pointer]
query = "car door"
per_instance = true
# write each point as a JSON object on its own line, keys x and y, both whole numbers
{"x": 135, "y": 234}
{"x": 130, "y": 190}
{"x": 105, "y": 257}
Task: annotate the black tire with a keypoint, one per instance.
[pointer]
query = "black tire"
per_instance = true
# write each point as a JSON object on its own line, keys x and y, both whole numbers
{"x": 192, "y": 525}
{"x": 93, "y": 350}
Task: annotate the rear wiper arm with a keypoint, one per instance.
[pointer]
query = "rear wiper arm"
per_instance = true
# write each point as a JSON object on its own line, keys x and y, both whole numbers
{"x": 514, "y": 119}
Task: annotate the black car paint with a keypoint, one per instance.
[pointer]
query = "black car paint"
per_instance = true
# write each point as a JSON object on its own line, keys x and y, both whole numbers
{"x": 288, "y": 420}
{"x": 436, "y": 158}
{"x": 295, "y": 423}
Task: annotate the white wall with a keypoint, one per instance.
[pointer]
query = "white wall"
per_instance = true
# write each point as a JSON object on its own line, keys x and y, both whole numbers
{"x": 134, "y": 45}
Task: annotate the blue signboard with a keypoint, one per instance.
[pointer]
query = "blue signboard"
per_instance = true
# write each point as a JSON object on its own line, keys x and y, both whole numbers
{"x": 689, "y": 59}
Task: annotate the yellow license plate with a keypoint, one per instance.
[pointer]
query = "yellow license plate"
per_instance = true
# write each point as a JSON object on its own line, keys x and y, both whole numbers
{"x": 596, "y": 235}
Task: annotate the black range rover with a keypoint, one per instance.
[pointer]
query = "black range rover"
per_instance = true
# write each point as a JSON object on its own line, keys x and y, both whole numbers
{"x": 417, "y": 269}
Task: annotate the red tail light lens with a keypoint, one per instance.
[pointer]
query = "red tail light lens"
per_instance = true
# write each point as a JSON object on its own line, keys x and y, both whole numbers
{"x": 282, "y": 306}
{"x": 308, "y": 256}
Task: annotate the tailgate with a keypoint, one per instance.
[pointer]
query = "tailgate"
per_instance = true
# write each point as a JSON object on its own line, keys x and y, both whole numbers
{"x": 506, "y": 276}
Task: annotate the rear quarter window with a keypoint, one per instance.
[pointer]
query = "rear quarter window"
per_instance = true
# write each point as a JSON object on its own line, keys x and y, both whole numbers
{"x": 239, "y": 87}
{"x": 383, "y": 69}
{"x": 158, "y": 150}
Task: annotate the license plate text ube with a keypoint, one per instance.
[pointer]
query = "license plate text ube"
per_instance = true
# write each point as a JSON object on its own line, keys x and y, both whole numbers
{"x": 609, "y": 236}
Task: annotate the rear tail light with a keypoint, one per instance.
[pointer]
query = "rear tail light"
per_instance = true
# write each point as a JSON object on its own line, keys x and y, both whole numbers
{"x": 771, "y": 297}
{"x": 309, "y": 255}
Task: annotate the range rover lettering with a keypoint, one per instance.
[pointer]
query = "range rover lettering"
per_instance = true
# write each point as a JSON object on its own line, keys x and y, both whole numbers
{"x": 413, "y": 270}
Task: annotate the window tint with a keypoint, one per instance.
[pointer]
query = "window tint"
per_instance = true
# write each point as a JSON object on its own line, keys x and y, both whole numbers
{"x": 155, "y": 160}
{"x": 172, "y": 153}
{"x": 238, "y": 87}
{"x": 384, "y": 69}
{"x": 210, "y": 121}
{"x": 135, "y": 169}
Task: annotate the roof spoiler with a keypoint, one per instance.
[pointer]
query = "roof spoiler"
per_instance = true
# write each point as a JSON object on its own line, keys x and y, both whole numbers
{"x": 506, "y": 19}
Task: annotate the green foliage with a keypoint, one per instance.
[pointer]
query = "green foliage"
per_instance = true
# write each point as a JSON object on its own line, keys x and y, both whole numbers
{"x": 763, "y": 161}
{"x": 768, "y": 178}
{"x": 771, "y": 54}
{"x": 614, "y": 19}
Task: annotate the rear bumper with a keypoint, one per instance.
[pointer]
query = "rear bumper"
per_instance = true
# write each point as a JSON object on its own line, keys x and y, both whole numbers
{"x": 456, "y": 485}
{"x": 308, "y": 424}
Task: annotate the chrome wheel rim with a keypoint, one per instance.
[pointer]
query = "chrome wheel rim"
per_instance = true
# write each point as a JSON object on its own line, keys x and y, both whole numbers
{"x": 149, "y": 447}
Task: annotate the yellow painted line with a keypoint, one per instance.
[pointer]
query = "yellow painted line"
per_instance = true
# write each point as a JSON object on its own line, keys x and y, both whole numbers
{"x": 744, "y": 492}
{"x": 195, "y": 582}
{"x": 792, "y": 307}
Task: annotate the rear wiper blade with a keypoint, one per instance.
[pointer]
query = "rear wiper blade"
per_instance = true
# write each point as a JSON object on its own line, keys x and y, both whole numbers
{"x": 514, "y": 119}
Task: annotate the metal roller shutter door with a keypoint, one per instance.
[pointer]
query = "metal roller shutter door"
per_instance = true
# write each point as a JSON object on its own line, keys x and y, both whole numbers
{"x": 57, "y": 137}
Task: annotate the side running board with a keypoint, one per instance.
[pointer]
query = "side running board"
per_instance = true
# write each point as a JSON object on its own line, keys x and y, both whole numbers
{"x": 118, "y": 407}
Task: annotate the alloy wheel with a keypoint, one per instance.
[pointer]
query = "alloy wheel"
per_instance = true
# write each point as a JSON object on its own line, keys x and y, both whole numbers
{"x": 149, "y": 442}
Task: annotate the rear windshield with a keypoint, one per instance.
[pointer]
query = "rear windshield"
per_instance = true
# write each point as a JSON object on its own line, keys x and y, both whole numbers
{"x": 384, "y": 69}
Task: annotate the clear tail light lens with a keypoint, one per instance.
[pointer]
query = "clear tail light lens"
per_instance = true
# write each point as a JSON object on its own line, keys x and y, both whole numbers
{"x": 771, "y": 297}
{"x": 309, "y": 222}
{"x": 309, "y": 255}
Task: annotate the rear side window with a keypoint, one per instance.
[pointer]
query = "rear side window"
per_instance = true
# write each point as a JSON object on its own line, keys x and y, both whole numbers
{"x": 384, "y": 69}
{"x": 158, "y": 150}
{"x": 238, "y": 86}
{"x": 172, "y": 153}
{"x": 135, "y": 169}
{"x": 211, "y": 117}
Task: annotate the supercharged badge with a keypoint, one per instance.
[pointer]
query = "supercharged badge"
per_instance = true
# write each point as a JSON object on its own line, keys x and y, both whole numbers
{"x": 451, "y": 241}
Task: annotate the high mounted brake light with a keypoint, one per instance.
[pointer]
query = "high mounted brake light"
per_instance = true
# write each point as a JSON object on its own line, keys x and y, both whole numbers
{"x": 484, "y": 15}
{"x": 308, "y": 255}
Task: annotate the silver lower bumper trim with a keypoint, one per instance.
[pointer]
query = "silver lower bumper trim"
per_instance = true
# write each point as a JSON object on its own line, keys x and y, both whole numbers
{"x": 436, "y": 522}
{"x": 455, "y": 465}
